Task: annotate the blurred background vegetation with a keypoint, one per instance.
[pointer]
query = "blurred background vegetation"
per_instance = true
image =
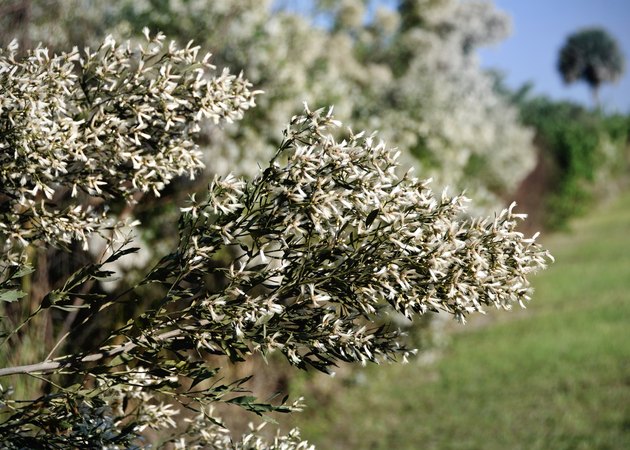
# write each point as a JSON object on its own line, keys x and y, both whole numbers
{"x": 556, "y": 375}
{"x": 553, "y": 376}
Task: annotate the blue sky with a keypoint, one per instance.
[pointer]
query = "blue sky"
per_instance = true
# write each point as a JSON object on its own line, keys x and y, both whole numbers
{"x": 540, "y": 28}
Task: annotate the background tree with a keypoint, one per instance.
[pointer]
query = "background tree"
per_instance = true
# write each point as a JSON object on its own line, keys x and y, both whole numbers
{"x": 593, "y": 56}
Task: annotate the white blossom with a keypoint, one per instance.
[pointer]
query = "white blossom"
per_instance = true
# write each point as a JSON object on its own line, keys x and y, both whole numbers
{"x": 82, "y": 127}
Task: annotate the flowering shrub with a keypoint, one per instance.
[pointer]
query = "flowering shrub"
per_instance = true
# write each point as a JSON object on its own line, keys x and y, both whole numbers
{"x": 100, "y": 125}
{"x": 409, "y": 71}
{"x": 321, "y": 246}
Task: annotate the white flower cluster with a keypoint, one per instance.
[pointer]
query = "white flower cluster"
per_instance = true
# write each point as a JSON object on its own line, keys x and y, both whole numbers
{"x": 134, "y": 390}
{"x": 132, "y": 396}
{"x": 445, "y": 109}
{"x": 203, "y": 432}
{"x": 328, "y": 235}
{"x": 411, "y": 72}
{"x": 80, "y": 127}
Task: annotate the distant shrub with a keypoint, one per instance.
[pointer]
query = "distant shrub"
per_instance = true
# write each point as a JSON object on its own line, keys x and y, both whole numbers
{"x": 588, "y": 150}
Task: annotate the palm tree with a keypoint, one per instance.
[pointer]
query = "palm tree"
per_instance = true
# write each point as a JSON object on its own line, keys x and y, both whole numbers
{"x": 593, "y": 56}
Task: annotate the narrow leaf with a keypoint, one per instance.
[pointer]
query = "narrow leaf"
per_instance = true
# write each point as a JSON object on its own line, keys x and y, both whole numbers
{"x": 11, "y": 296}
{"x": 370, "y": 218}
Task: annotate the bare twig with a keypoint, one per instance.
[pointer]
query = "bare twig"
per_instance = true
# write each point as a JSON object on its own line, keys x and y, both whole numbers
{"x": 67, "y": 361}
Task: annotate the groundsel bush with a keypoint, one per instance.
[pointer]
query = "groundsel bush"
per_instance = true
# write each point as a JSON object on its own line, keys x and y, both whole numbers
{"x": 408, "y": 70}
{"x": 321, "y": 247}
{"x": 443, "y": 107}
{"x": 82, "y": 127}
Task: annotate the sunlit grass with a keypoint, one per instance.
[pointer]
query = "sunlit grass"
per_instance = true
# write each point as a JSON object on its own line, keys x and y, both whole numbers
{"x": 554, "y": 376}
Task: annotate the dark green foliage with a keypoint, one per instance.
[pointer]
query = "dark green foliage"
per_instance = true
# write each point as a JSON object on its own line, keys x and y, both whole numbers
{"x": 63, "y": 421}
{"x": 591, "y": 55}
{"x": 588, "y": 150}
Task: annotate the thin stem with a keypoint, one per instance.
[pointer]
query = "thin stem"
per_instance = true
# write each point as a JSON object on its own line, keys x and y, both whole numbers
{"x": 67, "y": 361}
{"x": 66, "y": 328}
{"x": 59, "y": 342}
{"x": 15, "y": 330}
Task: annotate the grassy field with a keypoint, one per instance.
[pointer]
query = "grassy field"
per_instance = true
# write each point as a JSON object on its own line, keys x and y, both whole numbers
{"x": 553, "y": 376}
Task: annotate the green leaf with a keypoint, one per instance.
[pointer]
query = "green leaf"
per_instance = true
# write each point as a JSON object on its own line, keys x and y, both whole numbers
{"x": 243, "y": 400}
{"x": 52, "y": 298}
{"x": 200, "y": 374}
{"x": 119, "y": 360}
{"x": 25, "y": 270}
{"x": 268, "y": 419}
{"x": 104, "y": 275}
{"x": 121, "y": 253}
{"x": 370, "y": 218}
{"x": 11, "y": 296}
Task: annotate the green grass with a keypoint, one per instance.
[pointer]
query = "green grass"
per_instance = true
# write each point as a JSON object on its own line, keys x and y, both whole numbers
{"x": 554, "y": 376}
